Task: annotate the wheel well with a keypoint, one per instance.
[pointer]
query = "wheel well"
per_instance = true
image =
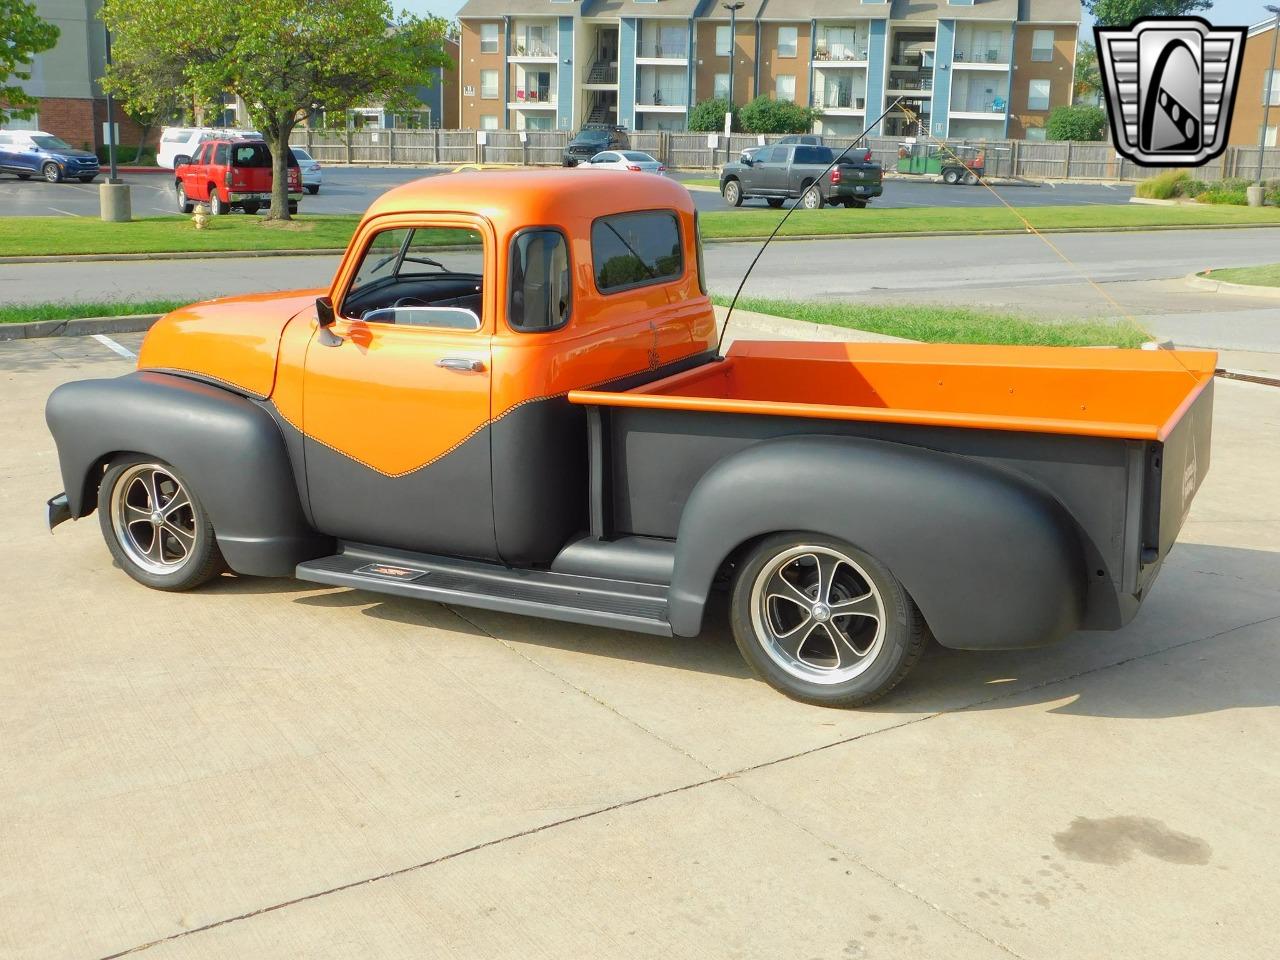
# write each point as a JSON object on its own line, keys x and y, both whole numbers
{"x": 806, "y": 183}
{"x": 93, "y": 479}
{"x": 731, "y": 179}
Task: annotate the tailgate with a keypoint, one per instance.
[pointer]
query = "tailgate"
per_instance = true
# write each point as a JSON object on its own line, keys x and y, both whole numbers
{"x": 861, "y": 172}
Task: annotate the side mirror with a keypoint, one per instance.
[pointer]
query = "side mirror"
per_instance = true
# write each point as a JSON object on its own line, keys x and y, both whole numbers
{"x": 746, "y": 161}
{"x": 325, "y": 311}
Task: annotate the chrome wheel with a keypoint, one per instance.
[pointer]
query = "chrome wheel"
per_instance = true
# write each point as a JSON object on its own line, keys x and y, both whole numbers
{"x": 153, "y": 519}
{"x": 812, "y": 199}
{"x": 817, "y": 614}
{"x": 733, "y": 193}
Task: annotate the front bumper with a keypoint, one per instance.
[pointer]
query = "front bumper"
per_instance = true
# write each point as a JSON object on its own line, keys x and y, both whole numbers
{"x": 57, "y": 510}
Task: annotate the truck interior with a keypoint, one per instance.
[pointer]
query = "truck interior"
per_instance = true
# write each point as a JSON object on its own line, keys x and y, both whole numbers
{"x": 427, "y": 276}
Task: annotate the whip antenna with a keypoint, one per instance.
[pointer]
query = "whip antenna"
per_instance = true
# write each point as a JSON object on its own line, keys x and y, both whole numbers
{"x": 861, "y": 137}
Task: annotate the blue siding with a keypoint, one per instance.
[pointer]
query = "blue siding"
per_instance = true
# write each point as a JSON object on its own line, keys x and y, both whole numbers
{"x": 564, "y": 75}
{"x": 877, "y": 62}
{"x": 627, "y": 72}
{"x": 943, "y": 50}
{"x": 961, "y": 3}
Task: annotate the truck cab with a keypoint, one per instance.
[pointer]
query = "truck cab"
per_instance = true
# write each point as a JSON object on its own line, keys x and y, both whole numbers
{"x": 511, "y": 396}
{"x": 804, "y": 171}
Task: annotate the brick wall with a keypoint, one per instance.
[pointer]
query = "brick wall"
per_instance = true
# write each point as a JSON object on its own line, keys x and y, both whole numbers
{"x": 79, "y": 122}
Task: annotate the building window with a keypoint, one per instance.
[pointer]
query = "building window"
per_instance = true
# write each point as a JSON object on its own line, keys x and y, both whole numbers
{"x": 1272, "y": 86}
{"x": 1038, "y": 95}
{"x": 785, "y": 88}
{"x": 1270, "y": 138}
{"x": 722, "y": 42}
{"x": 489, "y": 122}
{"x": 488, "y": 38}
{"x": 1042, "y": 46}
{"x": 787, "y": 41}
{"x": 1035, "y": 134}
{"x": 488, "y": 84}
{"x": 635, "y": 250}
{"x": 720, "y": 88}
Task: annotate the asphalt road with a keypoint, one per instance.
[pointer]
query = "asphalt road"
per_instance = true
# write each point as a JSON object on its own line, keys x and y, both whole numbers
{"x": 1138, "y": 275}
{"x": 266, "y": 768}
{"x": 352, "y": 189}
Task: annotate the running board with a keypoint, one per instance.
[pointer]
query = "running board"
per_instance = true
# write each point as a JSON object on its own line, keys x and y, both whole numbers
{"x": 621, "y": 604}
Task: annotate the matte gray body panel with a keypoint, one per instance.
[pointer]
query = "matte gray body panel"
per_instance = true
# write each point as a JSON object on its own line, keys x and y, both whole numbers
{"x": 226, "y": 446}
{"x": 992, "y": 561}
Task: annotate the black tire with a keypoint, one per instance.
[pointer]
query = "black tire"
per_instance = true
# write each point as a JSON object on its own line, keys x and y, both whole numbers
{"x": 293, "y": 207}
{"x": 87, "y": 179}
{"x": 971, "y": 179}
{"x": 313, "y": 189}
{"x": 732, "y": 193}
{"x": 811, "y": 198}
{"x": 187, "y": 553}
{"x": 24, "y": 176}
{"x": 774, "y": 202}
{"x": 857, "y": 204}
{"x": 184, "y": 205}
{"x": 251, "y": 207}
{"x": 51, "y": 172}
{"x": 951, "y": 176}
{"x": 216, "y": 207}
{"x": 890, "y": 648}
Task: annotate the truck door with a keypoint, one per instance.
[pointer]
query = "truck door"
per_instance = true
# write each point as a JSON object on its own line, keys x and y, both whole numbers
{"x": 396, "y": 415}
{"x": 778, "y": 172}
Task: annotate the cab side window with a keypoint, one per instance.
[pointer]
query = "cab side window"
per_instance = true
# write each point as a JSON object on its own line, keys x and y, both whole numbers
{"x": 222, "y": 154}
{"x": 636, "y": 249}
{"x": 541, "y": 294}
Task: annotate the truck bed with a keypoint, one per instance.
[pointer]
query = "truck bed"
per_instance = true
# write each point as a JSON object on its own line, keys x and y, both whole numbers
{"x": 1130, "y": 394}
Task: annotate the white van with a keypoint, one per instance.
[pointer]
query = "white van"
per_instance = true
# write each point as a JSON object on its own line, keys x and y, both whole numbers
{"x": 179, "y": 144}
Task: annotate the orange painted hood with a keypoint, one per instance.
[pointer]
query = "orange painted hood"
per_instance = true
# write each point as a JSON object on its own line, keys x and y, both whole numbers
{"x": 232, "y": 340}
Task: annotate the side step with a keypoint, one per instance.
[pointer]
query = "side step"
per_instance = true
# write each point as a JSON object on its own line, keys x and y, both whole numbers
{"x": 620, "y": 604}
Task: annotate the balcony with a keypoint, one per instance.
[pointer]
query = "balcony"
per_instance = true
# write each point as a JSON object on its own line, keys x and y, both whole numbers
{"x": 981, "y": 58}
{"x": 840, "y": 53}
{"x": 533, "y": 100}
{"x": 534, "y": 53}
{"x": 668, "y": 50}
{"x": 662, "y": 101}
{"x": 839, "y": 100}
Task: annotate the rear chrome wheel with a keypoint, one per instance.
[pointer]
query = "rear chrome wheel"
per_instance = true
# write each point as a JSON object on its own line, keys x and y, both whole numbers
{"x": 951, "y": 176}
{"x": 824, "y": 622}
{"x": 812, "y": 198}
{"x": 216, "y": 207}
{"x": 155, "y": 527}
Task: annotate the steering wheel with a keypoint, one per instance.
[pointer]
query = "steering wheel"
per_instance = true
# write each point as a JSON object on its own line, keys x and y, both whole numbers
{"x": 411, "y": 302}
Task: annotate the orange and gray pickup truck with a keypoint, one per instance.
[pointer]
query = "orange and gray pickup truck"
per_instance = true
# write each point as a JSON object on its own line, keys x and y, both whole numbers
{"x": 510, "y": 397}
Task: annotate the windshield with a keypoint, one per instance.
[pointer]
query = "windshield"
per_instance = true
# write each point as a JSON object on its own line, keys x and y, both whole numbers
{"x": 594, "y": 136}
{"x": 300, "y": 153}
{"x": 405, "y": 252}
{"x": 50, "y": 143}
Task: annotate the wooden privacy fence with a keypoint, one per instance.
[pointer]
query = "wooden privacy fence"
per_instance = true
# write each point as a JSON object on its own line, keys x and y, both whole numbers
{"x": 1026, "y": 159}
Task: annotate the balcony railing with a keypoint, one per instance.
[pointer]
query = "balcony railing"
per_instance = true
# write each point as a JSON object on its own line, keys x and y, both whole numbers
{"x": 981, "y": 54}
{"x": 839, "y": 99}
{"x": 663, "y": 98}
{"x": 535, "y": 49}
{"x": 839, "y": 52}
{"x": 536, "y": 97}
{"x": 663, "y": 49}
{"x": 602, "y": 72}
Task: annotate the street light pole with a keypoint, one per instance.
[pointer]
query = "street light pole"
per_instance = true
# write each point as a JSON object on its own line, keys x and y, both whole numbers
{"x": 113, "y": 195}
{"x": 1268, "y": 80}
{"x": 114, "y": 175}
{"x": 733, "y": 9}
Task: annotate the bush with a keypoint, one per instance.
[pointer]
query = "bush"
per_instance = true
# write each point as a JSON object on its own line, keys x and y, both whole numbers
{"x": 707, "y": 116}
{"x": 1220, "y": 193}
{"x": 1164, "y": 186}
{"x": 763, "y": 115}
{"x": 143, "y": 157}
{"x": 1079, "y": 122}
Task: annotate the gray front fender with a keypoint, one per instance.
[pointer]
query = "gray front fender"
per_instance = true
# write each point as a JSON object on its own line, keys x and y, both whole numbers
{"x": 992, "y": 560}
{"x": 226, "y": 446}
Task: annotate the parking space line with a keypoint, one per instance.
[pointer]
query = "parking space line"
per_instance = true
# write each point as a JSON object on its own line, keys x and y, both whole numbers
{"x": 66, "y": 213}
{"x": 115, "y": 347}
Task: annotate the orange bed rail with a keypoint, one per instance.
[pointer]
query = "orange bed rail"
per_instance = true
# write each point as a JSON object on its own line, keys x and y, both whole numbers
{"x": 1131, "y": 394}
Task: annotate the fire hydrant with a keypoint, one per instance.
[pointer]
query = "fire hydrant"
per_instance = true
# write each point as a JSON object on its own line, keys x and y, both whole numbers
{"x": 201, "y": 216}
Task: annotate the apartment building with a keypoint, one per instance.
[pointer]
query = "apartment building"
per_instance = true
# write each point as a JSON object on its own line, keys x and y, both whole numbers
{"x": 1259, "y": 88}
{"x": 964, "y": 68}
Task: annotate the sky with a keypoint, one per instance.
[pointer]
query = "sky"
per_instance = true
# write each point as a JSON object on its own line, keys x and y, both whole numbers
{"x": 1226, "y": 13}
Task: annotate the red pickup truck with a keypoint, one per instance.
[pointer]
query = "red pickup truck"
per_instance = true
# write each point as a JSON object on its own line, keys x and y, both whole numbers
{"x": 232, "y": 174}
{"x": 510, "y": 397}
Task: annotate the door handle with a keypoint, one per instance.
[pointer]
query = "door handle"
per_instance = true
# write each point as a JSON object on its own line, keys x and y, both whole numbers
{"x": 461, "y": 364}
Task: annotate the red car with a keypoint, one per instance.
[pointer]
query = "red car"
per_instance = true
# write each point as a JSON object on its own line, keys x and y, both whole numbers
{"x": 227, "y": 174}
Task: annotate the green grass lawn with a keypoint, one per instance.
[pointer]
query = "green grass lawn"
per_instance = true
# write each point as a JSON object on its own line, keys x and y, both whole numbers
{"x": 36, "y": 236}
{"x": 950, "y": 324}
{"x": 1268, "y": 276}
{"x": 27, "y": 312}
{"x": 700, "y": 182}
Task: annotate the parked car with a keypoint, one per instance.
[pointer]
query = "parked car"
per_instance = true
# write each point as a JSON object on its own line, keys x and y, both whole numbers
{"x": 232, "y": 174}
{"x": 34, "y": 153}
{"x": 630, "y": 160}
{"x": 808, "y": 139}
{"x": 785, "y": 171}
{"x": 312, "y": 178}
{"x": 510, "y": 397}
{"x": 178, "y": 145}
{"x": 592, "y": 139}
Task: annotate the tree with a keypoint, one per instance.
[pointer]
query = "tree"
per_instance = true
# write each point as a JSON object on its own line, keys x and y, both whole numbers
{"x": 1088, "y": 81}
{"x": 283, "y": 58}
{"x": 1080, "y": 122}
{"x": 22, "y": 35}
{"x": 763, "y": 115}
{"x": 707, "y": 116}
{"x": 1121, "y": 13}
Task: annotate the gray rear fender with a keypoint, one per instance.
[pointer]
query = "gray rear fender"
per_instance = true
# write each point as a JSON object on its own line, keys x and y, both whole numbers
{"x": 992, "y": 560}
{"x": 225, "y": 445}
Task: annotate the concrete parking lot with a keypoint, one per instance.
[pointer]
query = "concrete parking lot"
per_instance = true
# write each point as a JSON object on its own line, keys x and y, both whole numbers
{"x": 352, "y": 189}
{"x": 265, "y": 768}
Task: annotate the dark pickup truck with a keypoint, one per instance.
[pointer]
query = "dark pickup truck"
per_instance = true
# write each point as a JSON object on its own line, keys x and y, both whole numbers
{"x": 788, "y": 171}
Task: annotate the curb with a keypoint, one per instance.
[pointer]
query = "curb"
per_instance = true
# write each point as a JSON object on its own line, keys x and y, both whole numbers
{"x": 1209, "y": 285}
{"x": 888, "y": 234}
{"x": 86, "y": 327}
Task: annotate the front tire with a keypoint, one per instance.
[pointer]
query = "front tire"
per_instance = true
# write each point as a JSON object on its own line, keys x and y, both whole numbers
{"x": 787, "y": 620}
{"x": 733, "y": 193}
{"x": 155, "y": 526}
{"x": 51, "y": 172}
{"x": 184, "y": 205}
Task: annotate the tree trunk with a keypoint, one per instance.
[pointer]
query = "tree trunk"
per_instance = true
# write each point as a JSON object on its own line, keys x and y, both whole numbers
{"x": 276, "y": 133}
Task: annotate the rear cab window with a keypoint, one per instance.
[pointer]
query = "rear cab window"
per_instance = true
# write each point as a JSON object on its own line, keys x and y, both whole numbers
{"x": 631, "y": 250}
{"x": 814, "y": 155}
{"x": 541, "y": 291}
